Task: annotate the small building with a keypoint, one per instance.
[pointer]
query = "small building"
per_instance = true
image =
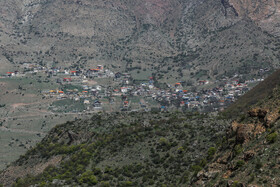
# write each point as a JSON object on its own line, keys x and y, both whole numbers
{"x": 73, "y": 73}
{"x": 100, "y": 67}
{"x": 67, "y": 80}
{"x": 125, "y": 103}
{"x": 86, "y": 101}
{"x": 10, "y": 74}
{"x": 203, "y": 82}
{"x": 177, "y": 85}
{"x": 124, "y": 89}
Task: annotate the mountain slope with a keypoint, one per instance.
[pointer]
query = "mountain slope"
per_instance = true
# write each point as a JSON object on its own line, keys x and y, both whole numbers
{"x": 219, "y": 37}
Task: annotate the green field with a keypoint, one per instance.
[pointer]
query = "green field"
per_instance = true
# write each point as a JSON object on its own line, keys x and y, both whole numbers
{"x": 67, "y": 105}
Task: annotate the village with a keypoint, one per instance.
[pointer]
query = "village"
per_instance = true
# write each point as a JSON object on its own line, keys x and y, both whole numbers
{"x": 100, "y": 89}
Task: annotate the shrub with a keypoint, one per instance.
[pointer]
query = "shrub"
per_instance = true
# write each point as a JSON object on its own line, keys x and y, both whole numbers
{"x": 238, "y": 149}
{"x": 239, "y": 164}
{"x": 271, "y": 138}
{"x": 104, "y": 184}
{"x": 88, "y": 177}
{"x": 211, "y": 152}
{"x": 259, "y": 164}
{"x": 236, "y": 184}
{"x": 127, "y": 183}
{"x": 252, "y": 178}
{"x": 196, "y": 168}
{"x": 180, "y": 150}
{"x": 184, "y": 177}
{"x": 203, "y": 163}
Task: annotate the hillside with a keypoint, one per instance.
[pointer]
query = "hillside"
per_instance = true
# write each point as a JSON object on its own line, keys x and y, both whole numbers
{"x": 172, "y": 39}
{"x": 254, "y": 96}
{"x": 120, "y": 150}
{"x": 249, "y": 155}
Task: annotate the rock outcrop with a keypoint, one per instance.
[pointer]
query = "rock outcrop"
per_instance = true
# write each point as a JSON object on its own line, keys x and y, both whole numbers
{"x": 266, "y": 13}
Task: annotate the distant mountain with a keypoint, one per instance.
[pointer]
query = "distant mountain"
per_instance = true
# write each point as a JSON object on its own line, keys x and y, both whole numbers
{"x": 175, "y": 39}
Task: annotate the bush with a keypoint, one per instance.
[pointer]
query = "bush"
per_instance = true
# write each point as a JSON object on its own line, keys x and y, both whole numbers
{"x": 271, "y": 138}
{"x": 239, "y": 164}
{"x": 211, "y": 152}
{"x": 203, "y": 163}
{"x": 104, "y": 184}
{"x": 236, "y": 184}
{"x": 88, "y": 177}
{"x": 252, "y": 178}
{"x": 127, "y": 183}
{"x": 180, "y": 150}
{"x": 196, "y": 168}
{"x": 259, "y": 164}
{"x": 238, "y": 149}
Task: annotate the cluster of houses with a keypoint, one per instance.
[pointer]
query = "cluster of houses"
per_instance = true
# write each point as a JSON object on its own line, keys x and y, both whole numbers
{"x": 69, "y": 74}
{"x": 173, "y": 97}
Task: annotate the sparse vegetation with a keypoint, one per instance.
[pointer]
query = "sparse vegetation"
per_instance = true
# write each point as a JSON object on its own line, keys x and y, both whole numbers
{"x": 151, "y": 155}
